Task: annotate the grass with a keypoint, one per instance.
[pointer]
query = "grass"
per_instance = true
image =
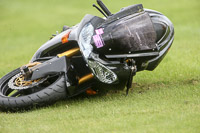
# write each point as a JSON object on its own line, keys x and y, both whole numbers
{"x": 165, "y": 100}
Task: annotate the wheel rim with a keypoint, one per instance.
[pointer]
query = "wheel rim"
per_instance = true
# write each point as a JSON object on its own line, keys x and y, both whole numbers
{"x": 6, "y": 91}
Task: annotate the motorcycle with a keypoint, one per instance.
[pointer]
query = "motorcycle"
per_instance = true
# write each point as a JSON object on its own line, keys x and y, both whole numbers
{"x": 107, "y": 51}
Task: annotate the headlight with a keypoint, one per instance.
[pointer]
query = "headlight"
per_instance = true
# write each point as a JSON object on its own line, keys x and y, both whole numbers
{"x": 102, "y": 73}
{"x": 85, "y": 38}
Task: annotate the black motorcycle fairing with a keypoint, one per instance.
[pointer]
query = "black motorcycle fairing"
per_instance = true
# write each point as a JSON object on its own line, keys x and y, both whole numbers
{"x": 163, "y": 42}
{"x": 94, "y": 20}
{"x": 49, "y": 45}
{"x": 164, "y": 38}
{"x": 131, "y": 34}
{"x": 55, "y": 44}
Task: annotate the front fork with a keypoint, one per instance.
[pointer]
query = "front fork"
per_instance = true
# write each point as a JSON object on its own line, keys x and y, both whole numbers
{"x": 59, "y": 64}
{"x": 71, "y": 53}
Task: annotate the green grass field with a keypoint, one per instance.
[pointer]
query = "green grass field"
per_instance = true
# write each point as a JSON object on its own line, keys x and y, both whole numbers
{"x": 166, "y": 100}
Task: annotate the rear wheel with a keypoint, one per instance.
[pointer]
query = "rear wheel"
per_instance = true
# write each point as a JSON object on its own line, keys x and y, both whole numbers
{"x": 39, "y": 92}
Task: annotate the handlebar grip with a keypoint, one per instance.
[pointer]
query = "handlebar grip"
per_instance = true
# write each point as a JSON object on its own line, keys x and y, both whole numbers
{"x": 104, "y": 8}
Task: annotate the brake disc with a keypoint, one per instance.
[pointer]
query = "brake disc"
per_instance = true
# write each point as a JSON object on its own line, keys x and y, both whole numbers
{"x": 17, "y": 82}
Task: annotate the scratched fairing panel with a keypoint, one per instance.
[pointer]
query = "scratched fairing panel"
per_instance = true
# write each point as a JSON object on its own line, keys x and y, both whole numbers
{"x": 128, "y": 35}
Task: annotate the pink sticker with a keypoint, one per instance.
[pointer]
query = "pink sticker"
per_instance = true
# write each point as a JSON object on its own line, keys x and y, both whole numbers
{"x": 98, "y": 41}
{"x": 99, "y": 31}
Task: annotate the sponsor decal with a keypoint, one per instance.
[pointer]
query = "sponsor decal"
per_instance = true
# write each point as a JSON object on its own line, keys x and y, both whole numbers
{"x": 98, "y": 40}
{"x": 99, "y": 31}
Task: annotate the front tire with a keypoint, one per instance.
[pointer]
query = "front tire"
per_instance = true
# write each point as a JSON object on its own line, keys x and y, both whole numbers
{"x": 45, "y": 96}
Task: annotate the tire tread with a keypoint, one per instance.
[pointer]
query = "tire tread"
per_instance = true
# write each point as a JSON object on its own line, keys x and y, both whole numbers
{"x": 48, "y": 95}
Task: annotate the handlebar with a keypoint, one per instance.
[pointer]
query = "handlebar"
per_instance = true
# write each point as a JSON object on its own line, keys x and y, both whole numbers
{"x": 104, "y": 8}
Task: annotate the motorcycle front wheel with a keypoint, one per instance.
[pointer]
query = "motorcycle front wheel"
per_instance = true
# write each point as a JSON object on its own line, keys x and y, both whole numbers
{"x": 45, "y": 93}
